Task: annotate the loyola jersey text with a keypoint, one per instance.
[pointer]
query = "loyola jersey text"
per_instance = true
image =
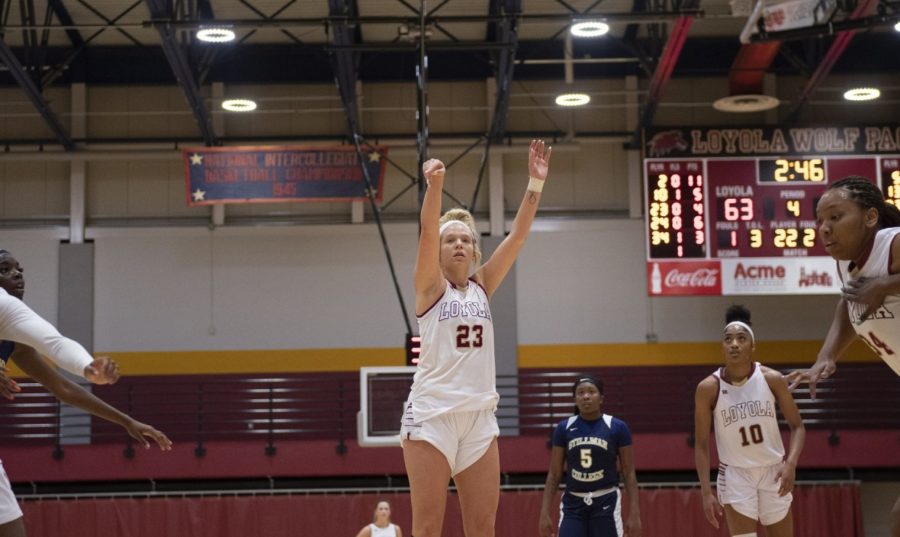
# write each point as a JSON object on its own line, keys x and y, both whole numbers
{"x": 746, "y": 426}
{"x": 456, "y": 371}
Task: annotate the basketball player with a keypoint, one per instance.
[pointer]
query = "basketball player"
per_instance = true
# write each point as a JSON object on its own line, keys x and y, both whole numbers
{"x": 589, "y": 444}
{"x": 381, "y": 523}
{"x": 24, "y": 335}
{"x": 448, "y": 427}
{"x": 739, "y": 400}
{"x": 860, "y": 230}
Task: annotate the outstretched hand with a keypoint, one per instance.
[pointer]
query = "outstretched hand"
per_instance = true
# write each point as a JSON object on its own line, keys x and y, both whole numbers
{"x": 141, "y": 432}
{"x": 821, "y": 370}
{"x": 8, "y": 387}
{"x": 539, "y": 159}
{"x": 102, "y": 370}
{"x": 433, "y": 169}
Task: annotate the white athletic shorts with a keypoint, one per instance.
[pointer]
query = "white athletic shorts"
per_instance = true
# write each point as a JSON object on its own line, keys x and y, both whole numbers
{"x": 463, "y": 437}
{"x": 753, "y": 492}
{"x": 9, "y": 507}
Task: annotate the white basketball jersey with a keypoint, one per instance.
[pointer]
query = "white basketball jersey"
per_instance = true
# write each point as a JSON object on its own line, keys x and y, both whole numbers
{"x": 456, "y": 370}
{"x": 388, "y": 531}
{"x": 880, "y": 330}
{"x": 746, "y": 425}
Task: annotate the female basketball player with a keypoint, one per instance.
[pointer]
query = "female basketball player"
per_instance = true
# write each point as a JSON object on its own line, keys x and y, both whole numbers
{"x": 24, "y": 335}
{"x": 859, "y": 230}
{"x": 381, "y": 523}
{"x": 448, "y": 427}
{"x": 589, "y": 444}
{"x": 739, "y": 399}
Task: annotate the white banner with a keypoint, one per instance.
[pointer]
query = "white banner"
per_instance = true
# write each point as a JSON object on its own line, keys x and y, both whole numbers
{"x": 780, "y": 276}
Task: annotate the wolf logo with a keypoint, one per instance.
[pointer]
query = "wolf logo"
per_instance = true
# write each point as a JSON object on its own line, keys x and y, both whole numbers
{"x": 665, "y": 142}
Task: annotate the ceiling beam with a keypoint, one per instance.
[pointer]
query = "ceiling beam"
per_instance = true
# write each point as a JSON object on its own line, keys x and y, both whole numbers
{"x": 181, "y": 68}
{"x": 343, "y": 62}
{"x": 838, "y": 46}
{"x": 34, "y": 95}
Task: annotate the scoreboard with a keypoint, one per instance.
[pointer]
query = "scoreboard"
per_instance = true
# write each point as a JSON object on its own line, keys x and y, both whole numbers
{"x": 732, "y": 211}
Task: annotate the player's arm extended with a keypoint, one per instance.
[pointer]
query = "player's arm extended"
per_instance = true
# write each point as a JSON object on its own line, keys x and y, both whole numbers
{"x": 427, "y": 277}
{"x": 551, "y": 486}
{"x": 839, "y": 338}
{"x": 20, "y": 324}
{"x": 70, "y": 393}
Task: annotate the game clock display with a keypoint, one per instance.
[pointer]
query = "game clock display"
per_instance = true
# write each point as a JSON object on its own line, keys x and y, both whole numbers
{"x": 746, "y": 207}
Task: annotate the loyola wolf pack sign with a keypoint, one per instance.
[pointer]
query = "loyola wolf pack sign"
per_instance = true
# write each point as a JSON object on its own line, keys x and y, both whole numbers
{"x": 216, "y": 175}
{"x": 769, "y": 141}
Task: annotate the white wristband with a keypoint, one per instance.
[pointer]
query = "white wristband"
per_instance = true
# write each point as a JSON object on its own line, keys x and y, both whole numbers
{"x": 535, "y": 184}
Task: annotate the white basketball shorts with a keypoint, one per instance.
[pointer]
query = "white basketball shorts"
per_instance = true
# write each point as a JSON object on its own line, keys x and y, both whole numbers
{"x": 9, "y": 507}
{"x": 753, "y": 492}
{"x": 463, "y": 437}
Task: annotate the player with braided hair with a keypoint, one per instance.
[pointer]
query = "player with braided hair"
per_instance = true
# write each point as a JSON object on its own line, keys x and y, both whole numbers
{"x": 860, "y": 230}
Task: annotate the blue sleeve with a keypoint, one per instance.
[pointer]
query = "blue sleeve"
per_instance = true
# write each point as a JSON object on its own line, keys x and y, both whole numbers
{"x": 559, "y": 434}
{"x": 621, "y": 431}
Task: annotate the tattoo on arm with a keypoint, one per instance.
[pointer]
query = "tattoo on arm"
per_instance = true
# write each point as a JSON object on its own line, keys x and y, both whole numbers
{"x": 532, "y": 198}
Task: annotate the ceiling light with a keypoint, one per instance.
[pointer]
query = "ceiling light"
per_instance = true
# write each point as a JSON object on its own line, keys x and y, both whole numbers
{"x": 239, "y": 105}
{"x": 862, "y": 94}
{"x": 573, "y": 99}
{"x": 589, "y": 29}
{"x": 747, "y": 102}
{"x": 215, "y": 35}
{"x": 897, "y": 27}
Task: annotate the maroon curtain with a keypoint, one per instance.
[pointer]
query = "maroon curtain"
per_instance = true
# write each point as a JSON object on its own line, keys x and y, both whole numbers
{"x": 819, "y": 511}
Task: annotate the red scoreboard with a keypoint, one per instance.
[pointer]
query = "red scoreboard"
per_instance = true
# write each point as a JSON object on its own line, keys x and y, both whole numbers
{"x": 732, "y": 210}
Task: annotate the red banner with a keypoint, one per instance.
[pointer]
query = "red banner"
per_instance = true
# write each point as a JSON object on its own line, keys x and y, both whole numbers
{"x": 684, "y": 278}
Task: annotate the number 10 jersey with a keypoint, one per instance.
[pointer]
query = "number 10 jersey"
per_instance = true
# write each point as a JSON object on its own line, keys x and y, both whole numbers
{"x": 746, "y": 423}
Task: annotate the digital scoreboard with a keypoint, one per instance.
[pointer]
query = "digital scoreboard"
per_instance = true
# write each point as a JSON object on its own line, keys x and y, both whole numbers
{"x": 732, "y": 210}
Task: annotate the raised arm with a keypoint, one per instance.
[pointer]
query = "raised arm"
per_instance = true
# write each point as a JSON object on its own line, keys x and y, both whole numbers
{"x": 703, "y": 404}
{"x": 429, "y": 281}
{"x": 495, "y": 269}
{"x": 70, "y": 393}
{"x": 551, "y": 487}
{"x": 791, "y": 413}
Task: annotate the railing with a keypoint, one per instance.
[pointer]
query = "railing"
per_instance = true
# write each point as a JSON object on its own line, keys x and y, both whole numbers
{"x": 199, "y": 409}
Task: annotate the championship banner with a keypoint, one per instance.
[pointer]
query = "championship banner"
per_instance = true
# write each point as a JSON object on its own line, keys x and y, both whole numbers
{"x": 216, "y": 175}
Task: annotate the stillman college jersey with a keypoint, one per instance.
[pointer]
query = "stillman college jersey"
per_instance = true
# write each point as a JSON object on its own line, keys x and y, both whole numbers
{"x": 746, "y": 424}
{"x": 880, "y": 330}
{"x": 456, "y": 371}
{"x": 592, "y": 448}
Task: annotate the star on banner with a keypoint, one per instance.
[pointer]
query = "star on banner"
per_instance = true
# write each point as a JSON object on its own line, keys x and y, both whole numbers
{"x": 199, "y": 195}
{"x": 196, "y": 159}
{"x": 374, "y": 156}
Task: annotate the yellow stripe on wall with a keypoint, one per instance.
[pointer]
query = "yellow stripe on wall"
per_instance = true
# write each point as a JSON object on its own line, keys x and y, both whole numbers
{"x": 659, "y": 354}
{"x": 530, "y": 356}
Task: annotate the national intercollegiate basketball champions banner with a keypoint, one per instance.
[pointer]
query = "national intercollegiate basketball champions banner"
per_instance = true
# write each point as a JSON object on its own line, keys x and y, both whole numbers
{"x": 215, "y": 175}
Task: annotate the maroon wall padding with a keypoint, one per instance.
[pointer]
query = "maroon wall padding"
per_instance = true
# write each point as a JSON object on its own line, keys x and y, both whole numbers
{"x": 318, "y": 458}
{"x": 819, "y": 511}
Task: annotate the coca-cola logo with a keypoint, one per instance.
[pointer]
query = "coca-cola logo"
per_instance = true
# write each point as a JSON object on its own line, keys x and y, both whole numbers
{"x": 701, "y": 277}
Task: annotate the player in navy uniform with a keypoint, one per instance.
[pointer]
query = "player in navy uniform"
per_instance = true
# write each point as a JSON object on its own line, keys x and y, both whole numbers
{"x": 590, "y": 445}
{"x": 18, "y": 321}
{"x": 861, "y": 231}
{"x": 739, "y": 402}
